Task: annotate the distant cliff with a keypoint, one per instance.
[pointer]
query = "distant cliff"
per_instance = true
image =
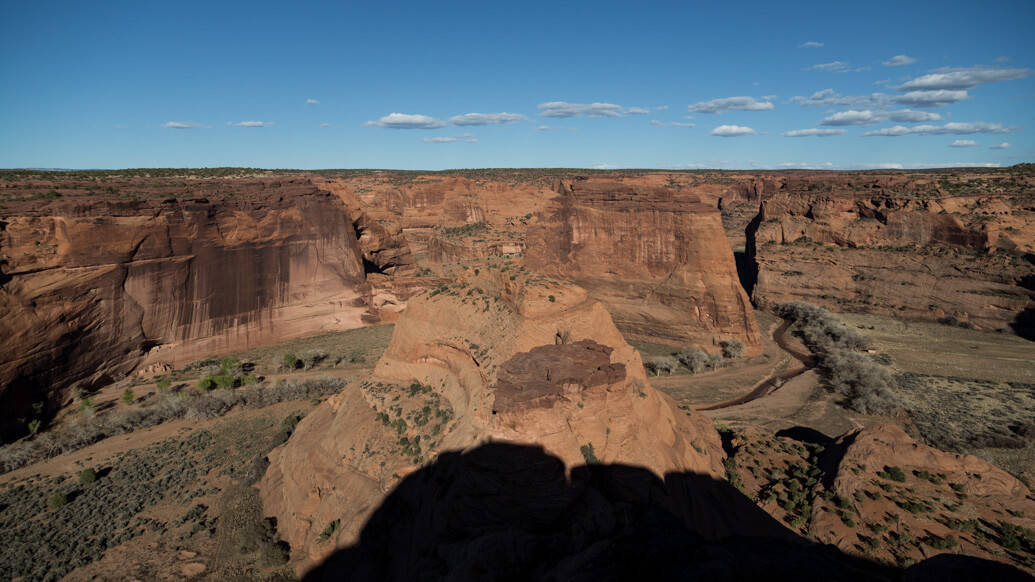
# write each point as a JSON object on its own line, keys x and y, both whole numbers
{"x": 93, "y": 288}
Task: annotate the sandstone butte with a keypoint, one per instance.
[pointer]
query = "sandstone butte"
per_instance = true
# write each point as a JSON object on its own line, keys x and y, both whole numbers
{"x": 503, "y": 434}
{"x": 502, "y": 364}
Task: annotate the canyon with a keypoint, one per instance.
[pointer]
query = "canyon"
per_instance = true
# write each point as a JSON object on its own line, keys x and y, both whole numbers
{"x": 509, "y": 424}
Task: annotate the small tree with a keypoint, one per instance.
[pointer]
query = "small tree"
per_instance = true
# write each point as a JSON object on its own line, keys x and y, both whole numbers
{"x": 87, "y": 476}
{"x": 289, "y": 362}
{"x": 127, "y": 396}
{"x": 57, "y": 500}
{"x": 731, "y": 348}
{"x": 694, "y": 359}
{"x": 163, "y": 384}
{"x": 661, "y": 364}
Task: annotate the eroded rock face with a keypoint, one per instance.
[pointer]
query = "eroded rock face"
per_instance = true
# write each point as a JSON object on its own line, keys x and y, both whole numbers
{"x": 93, "y": 289}
{"x": 657, "y": 258}
{"x": 467, "y": 367}
{"x": 935, "y": 257}
{"x": 934, "y": 497}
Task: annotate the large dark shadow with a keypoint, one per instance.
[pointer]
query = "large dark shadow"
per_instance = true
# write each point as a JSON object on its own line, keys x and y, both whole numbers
{"x": 1024, "y": 324}
{"x": 504, "y": 512}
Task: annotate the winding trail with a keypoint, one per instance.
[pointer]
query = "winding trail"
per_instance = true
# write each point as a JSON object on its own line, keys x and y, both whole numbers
{"x": 770, "y": 383}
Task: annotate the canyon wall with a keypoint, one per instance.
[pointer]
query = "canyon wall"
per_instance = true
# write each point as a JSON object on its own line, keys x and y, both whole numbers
{"x": 902, "y": 247}
{"x": 658, "y": 258}
{"x": 92, "y": 289}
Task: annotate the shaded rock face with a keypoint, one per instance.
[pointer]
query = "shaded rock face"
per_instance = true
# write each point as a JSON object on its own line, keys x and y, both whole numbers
{"x": 93, "y": 289}
{"x": 965, "y": 257}
{"x": 657, "y": 258}
{"x": 512, "y": 512}
{"x": 466, "y": 368}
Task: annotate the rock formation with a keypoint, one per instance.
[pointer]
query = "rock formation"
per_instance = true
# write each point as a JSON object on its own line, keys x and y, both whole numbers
{"x": 897, "y": 247}
{"x": 524, "y": 361}
{"x": 92, "y": 288}
{"x": 658, "y": 259}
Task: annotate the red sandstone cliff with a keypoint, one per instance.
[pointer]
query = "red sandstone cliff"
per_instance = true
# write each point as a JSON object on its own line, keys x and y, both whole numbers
{"x": 658, "y": 259}
{"x": 91, "y": 288}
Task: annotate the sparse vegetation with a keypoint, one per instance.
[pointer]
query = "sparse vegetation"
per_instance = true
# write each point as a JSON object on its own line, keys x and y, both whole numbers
{"x": 866, "y": 385}
{"x": 207, "y": 405}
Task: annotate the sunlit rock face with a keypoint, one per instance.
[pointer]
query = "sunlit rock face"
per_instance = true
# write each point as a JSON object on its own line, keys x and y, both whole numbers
{"x": 658, "y": 258}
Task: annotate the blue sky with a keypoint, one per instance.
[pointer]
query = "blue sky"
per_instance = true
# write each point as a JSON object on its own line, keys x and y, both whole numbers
{"x": 586, "y": 84}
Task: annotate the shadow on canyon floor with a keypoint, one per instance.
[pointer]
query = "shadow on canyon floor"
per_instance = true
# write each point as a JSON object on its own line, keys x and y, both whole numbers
{"x": 508, "y": 512}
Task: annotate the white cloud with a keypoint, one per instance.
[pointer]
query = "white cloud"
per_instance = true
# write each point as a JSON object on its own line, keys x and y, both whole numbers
{"x": 184, "y": 125}
{"x": 931, "y": 98}
{"x": 1000, "y": 146}
{"x": 949, "y": 128}
{"x": 813, "y": 132}
{"x": 565, "y": 109}
{"x": 730, "y": 104}
{"x": 486, "y": 118}
{"x": 732, "y": 131}
{"x": 325, "y": 125}
{"x": 965, "y": 77}
{"x": 830, "y": 98}
{"x": 810, "y": 44}
{"x": 311, "y": 102}
{"x": 853, "y": 117}
{"x": 837, "y": 67}
{"x": 661, "y": 108}
{"x": 251, "y": 124}
{"x": 910, "y": 116}
{"x": 554, "y": 128}
{"x": 963, "y": 143}
{"x": 604, "y": 167}
{"x": 656, "y": 123}
{"x": 406, "y": 121}
{"x": 458, "y": 138}
{"x": 899, "y": 61}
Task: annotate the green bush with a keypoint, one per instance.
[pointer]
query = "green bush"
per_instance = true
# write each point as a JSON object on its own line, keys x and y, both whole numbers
{"x": 290, "y": 362}
{"x": 163, "y": 384}
{"x": 87, "y": 476}
{"x": 589, "y": 454}
{"x": 206, "y": 384}
{"x": 57, "y": 500}
{"x": 127, "y": 396}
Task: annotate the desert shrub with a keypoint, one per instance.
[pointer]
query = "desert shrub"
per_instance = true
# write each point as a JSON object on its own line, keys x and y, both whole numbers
{"x": 205, "y": 405}
{"x": 87, "y": 476}
{"x": 229, "y": 364}
{"x": 205, "y": 384}
{"x": 893, "y": 473}
{"x": 731, "y": 348}
{"x": 328, "y": 531}
{"x": 290, "y": 362}
{"x": 57, "y": 500}
{"x": 819, "y": 329}
{"x": 163, "y": 384}
{"x": 127, "y": 396}
{"x": 311, "y": 358}
{"x": 694, "y": 359}
{"x": 866, "y": 385}
{"x": 661, "y": 364}
{"x": 589, "y": 454}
